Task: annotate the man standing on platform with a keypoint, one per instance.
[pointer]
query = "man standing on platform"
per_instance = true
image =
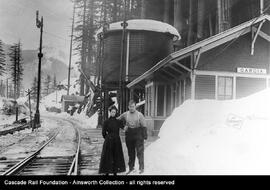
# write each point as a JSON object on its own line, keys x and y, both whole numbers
{"x": 136, "y": 133}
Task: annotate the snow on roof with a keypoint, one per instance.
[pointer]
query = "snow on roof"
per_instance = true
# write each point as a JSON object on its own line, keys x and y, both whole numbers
{"x": 72, "y": 98}
{"x": 144, "y": 24}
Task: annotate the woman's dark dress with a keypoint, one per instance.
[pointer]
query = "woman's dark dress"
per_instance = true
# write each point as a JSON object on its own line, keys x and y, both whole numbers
{"x": 112, "y": 157}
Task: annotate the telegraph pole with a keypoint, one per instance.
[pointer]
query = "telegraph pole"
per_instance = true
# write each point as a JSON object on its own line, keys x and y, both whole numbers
{"x": 39, "y": 24}
{"x": 70, "y": 50}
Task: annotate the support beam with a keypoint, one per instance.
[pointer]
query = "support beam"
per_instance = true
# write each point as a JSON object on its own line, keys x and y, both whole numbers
{"x": 255, "y": 37}
{"x": 193, "y": 79}
{"x": 175, "y": 69}
{"x": 234, "y": 87}
{"x": 197, "y": 56}
{"x": 264, "y": 36}
{"x": 127, "y": 57}
{"x": 183, "y": 66}
{"x": 216, "y": 87}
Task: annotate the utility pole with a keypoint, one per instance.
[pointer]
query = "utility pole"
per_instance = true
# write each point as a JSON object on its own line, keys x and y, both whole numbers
{"x": 70, "y": 50}
{"x": 39, "y": 24}
{"x": 121, "y": 89}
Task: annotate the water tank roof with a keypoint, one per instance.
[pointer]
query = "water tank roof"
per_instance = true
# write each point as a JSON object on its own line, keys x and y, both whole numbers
{"x": 144, "y": 24}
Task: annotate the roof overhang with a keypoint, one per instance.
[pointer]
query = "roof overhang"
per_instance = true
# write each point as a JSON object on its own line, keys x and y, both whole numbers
{"x": 203, "y": 46}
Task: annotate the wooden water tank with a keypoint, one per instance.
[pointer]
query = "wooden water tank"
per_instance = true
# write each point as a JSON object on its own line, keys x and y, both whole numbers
{"x": 147, "y": 42}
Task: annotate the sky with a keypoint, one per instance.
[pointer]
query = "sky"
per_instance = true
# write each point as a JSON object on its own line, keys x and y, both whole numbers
{"x": 18, "y": 22}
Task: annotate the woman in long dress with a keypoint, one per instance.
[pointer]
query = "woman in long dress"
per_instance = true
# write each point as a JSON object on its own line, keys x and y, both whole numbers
{"x": 112, "y": 157}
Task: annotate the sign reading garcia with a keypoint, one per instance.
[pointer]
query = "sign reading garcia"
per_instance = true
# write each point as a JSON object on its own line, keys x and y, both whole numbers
{"x": 251, "y": 70}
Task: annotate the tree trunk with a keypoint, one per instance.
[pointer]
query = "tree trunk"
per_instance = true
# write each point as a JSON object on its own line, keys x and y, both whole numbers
{"x": 166, "y": 11}
{"x": 83, "y": 55}
{"x": 115, "y": 10}
{"x": 178, "y": 18}
{"x": 143, "y": 9}
{"x": 190, "y": 23}
{"x": 201, "y": 16}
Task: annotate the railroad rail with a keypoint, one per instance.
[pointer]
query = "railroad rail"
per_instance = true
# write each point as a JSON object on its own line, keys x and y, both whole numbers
{"x": 23, "y": 163}
{"x": 84, "y": 161}
{"x": 74, "y": 166}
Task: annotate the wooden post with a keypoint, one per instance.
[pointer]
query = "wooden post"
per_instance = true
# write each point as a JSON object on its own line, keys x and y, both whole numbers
{"x": 127, "y": 57}
{"x": 123, "y": 51}
{"x": 261, "y": 6}
{"x": 193, "y": 79}
{"x": 234, "y": 87}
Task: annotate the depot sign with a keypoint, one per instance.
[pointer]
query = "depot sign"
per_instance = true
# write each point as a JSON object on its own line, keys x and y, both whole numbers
{"x": 251, "y": 70}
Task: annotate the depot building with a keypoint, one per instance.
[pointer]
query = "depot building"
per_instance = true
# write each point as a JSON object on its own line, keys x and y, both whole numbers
{"x": 230, "y": 65}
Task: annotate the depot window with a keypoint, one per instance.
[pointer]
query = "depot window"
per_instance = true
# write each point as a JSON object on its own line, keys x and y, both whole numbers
{"x": 149, "y": 89}
{"x": 225, "y": 88}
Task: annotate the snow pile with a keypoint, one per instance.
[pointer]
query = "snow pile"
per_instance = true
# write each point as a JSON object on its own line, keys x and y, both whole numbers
{"x": 1, "y": 103}
{"x": 85, "y": 121}
{"x": 7, "y": 111}
{"x": 82, "y": 119}
{"x": 54, "y": 99}
{"x": 214, "y": 137}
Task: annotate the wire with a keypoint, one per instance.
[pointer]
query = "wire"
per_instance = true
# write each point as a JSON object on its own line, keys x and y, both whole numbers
{"x": 56, "y": 36}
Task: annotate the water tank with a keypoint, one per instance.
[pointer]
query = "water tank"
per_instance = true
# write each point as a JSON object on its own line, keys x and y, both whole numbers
{"x": 147, "y": 42}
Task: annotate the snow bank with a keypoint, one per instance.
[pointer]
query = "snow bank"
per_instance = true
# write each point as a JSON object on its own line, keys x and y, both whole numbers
{"x": 83, "y": 120}
{"x": 1, "y": 103}
{"x": 214, "y": 137}
{"x": 54, "y": 99}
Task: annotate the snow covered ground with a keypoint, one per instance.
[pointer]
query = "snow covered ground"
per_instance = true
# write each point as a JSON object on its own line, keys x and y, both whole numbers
{"x": 83, "y": 120}
{"x": 23, "y": 142}
{"x": 9, "y": 119}
{"x": 214, "y": 137}
{"x": 54, "y": 99}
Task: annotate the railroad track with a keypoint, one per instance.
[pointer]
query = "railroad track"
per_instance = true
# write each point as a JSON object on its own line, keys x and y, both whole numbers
{"x": 41, "y": 165}
{"x": 84, "y": 161}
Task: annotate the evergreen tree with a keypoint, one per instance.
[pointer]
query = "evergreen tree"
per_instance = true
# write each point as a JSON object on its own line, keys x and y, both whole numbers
{"x": 16, "y": 67}
{"x": 34, "y": 89}
{"x": 47, "y": 85}
{"x": 2, "y": 59}
{"x": 54, "y": 82}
